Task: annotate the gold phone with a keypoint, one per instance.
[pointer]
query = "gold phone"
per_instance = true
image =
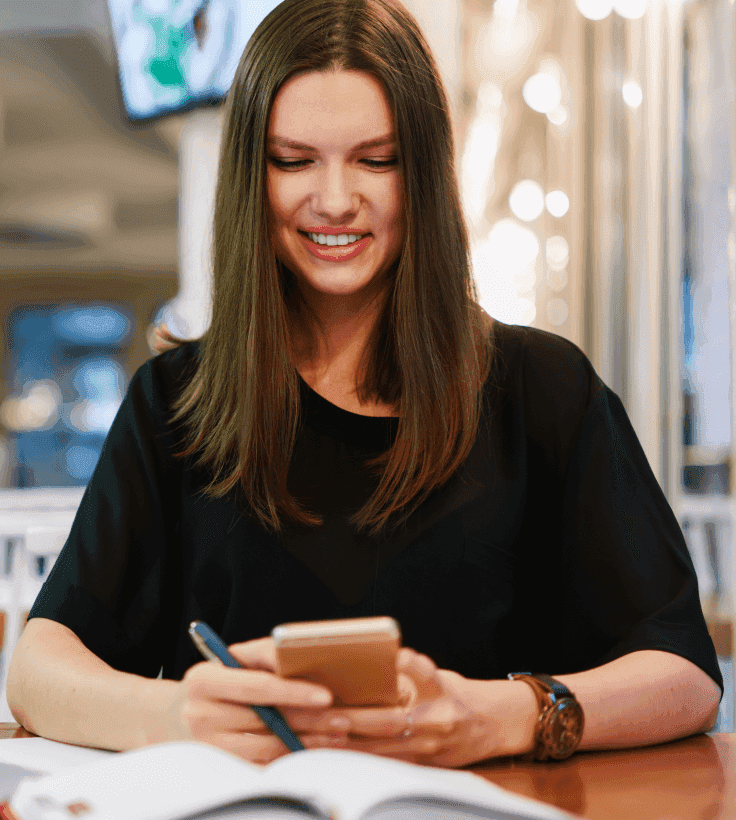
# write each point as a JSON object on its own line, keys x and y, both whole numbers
{"x": 355, "y": 658}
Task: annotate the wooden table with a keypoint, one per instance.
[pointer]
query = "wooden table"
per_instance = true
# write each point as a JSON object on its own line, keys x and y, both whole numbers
{"x": 691, "y": 779}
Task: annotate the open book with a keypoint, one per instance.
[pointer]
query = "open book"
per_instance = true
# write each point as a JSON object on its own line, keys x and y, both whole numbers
{"x": 186, "y": 780}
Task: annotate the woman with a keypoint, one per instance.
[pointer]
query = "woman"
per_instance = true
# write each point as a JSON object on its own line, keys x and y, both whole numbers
{"x": 352, "y": 437}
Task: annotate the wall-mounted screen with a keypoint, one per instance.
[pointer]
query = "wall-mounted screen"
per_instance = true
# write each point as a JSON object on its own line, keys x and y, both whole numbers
{"x": 179, "y": 54}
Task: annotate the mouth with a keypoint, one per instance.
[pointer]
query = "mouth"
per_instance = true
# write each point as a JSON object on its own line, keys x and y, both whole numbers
{"x": 336, "y": 253}
{"x": 353, "y": 238}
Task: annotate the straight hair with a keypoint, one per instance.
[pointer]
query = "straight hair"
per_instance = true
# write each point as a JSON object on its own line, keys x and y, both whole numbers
{"x": 430, "y": 352}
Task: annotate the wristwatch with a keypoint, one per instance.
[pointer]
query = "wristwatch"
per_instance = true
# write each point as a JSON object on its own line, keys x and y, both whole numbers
{"x": 561, "y": 721}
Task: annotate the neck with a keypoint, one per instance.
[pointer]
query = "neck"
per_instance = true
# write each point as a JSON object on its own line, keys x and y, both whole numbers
{"x": 330, "y": 336}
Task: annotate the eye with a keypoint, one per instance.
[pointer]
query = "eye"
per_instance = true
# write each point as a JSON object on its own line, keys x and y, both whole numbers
{"x": 300, "y": 163}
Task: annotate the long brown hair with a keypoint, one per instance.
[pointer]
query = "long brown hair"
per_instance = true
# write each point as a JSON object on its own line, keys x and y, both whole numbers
{"x": 430, "y": 352}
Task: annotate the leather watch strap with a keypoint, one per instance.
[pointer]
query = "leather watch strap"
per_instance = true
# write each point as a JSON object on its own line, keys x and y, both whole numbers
{"x": 552, "y": 737}
{"x": 559, "y": 689}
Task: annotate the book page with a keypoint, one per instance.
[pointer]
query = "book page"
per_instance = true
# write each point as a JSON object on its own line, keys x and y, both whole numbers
{"x": 47, "y": 756}
{"x": 10, "y": 777}
{"x": 160, "y": 782}
{"x": 351, "y": 783}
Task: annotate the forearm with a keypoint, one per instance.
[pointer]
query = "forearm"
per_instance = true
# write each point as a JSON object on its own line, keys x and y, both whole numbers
{"x": 643, "y": 698}
{"x": 60, "y": 690}
{"x": 640, "y": 699}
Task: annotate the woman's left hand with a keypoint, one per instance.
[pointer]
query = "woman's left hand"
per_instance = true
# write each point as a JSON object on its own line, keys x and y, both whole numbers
{"x": 455, "y": 721}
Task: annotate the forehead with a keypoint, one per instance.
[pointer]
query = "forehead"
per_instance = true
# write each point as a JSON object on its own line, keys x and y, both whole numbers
{"x": 331, "y": 109}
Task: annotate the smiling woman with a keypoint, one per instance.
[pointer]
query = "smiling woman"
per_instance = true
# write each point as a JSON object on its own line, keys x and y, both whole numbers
{"x": 354, "y": 437}
{"x": 386, "y": 327}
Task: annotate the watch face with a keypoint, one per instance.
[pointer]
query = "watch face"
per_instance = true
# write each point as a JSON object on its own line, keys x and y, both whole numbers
{"x": 562, "y": 729}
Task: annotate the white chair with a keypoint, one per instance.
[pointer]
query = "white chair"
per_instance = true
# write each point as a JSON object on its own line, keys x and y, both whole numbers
{"x": 34, "y": 525}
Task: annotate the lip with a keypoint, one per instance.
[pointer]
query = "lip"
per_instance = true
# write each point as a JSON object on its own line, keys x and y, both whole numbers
{"x": 335, "y": 253}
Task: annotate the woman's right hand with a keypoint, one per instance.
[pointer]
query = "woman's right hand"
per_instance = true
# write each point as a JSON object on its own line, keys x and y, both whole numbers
{"x": 211, "y": 704}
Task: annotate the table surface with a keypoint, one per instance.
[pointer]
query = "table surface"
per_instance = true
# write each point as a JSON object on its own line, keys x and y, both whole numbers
{"x": 691, "y": 779}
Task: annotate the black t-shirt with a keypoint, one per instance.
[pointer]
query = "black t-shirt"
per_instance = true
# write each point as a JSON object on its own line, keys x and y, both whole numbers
{"x": 552, "y": 549}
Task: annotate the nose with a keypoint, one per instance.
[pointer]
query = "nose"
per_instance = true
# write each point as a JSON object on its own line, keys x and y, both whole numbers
{"x": 335, "y": 196}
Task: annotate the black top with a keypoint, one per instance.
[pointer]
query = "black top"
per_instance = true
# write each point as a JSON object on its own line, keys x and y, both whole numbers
{"x": 552, "y": 549}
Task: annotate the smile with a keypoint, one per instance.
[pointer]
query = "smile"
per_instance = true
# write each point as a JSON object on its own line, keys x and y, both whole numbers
{"x": 335, "y": 248}
{"x": 340, "y": 239}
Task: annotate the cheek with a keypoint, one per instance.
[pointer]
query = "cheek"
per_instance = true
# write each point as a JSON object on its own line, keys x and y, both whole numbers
{"x": 278, "y": 197}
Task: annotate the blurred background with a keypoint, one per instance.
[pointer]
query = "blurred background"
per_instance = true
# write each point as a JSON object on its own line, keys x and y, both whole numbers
{"x": 596, "y": 154}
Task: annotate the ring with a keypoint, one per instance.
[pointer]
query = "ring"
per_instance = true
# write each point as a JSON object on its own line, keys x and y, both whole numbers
{"x": 410, "y": 722}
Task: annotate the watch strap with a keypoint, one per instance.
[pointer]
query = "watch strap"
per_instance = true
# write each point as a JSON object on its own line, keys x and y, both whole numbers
{"x": 559, "y": 690}
{"x": 548, "y": 692}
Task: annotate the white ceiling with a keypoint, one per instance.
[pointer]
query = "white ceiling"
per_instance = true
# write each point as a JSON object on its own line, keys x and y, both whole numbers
{"x": 102, "y": 192}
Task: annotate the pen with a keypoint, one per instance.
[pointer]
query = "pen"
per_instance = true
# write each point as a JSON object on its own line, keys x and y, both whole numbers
{"x": 213, "y": 648}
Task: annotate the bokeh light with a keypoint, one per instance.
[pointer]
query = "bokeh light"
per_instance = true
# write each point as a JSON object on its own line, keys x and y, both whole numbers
{"x": 595, "y": 9}
{"x": 632, "y": 94}
{"x": 557, "y": 203}
{"x": 526, "y": 200}
{"x": 630, "y": 9}
{"x": 542, "y": 92}
{"x": 504, "y": 268}
{"x": 558, "y": 116}
{"x": 558, "y": 252}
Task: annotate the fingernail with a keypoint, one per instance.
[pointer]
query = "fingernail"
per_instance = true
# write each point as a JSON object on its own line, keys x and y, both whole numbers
{"x": 320, "y": 698}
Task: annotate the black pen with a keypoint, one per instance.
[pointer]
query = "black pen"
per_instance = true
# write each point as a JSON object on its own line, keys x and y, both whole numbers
{"x": 213, "y": 648}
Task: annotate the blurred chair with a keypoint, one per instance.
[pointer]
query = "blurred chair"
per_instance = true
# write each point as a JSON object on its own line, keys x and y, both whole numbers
{"x": 34, "y": 525}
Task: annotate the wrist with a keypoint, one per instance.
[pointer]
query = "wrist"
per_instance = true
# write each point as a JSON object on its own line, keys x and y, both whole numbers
{"x": 161, "y": 712}
{"x": 512, "y": 713}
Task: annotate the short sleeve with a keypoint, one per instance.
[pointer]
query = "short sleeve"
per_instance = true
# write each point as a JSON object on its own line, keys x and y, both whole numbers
{"x": 107, "y": 584}
{"x": 627, "y": 579}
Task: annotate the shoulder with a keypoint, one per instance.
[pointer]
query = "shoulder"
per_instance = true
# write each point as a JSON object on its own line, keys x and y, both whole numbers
{"x": 158, "y": 382}
{"x": 546, "y": 358}
{"x": 546, "y": 376}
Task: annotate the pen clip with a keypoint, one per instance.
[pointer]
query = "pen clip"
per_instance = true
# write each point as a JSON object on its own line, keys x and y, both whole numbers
{"x": 199, "y": 642}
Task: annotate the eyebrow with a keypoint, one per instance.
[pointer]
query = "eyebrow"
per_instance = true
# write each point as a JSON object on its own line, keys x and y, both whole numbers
{"x": 299, "y": 146}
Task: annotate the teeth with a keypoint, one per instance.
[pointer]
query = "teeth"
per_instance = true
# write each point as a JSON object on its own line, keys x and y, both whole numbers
{"x": 341, "y": 239}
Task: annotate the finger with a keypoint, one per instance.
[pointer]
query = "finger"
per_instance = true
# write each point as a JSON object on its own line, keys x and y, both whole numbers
{"x": 207, "y": 681}
{"x": 420, "y": 666}
{"x": 375, "y": 721}
{"x": 257, "y": 654}
{"x": 423, "y": 671}
{"x": 326, "y": 722}
{"x": 416, "y": 745}
{"x": 254, "y": 747}
{"x": 436, "y": 718}
{"x": 205, "y": 718}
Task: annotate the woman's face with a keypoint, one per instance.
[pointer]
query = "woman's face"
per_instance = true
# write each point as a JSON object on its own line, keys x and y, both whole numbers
{"x": 327, "y": 181}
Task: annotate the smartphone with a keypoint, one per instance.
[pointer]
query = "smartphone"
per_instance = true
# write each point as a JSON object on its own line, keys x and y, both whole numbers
{"x": 355, "y": 658}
